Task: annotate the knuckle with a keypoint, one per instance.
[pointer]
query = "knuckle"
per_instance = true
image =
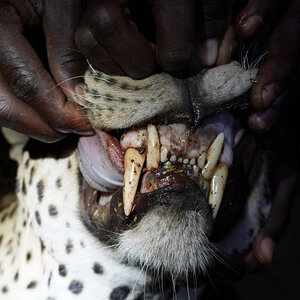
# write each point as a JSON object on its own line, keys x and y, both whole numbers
{"x": 105, "y": 21}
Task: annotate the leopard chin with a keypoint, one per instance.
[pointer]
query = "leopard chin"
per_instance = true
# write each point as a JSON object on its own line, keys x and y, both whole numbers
{"x": 157, "y": 169}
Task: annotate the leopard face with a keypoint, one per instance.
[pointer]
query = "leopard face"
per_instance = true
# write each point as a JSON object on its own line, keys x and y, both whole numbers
{"x": 155, "y": 173}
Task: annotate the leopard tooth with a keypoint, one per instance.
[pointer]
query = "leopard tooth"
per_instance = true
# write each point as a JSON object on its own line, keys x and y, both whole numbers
{"x": 212, "y": 156}
{"x": 201, "y": 160}
{"x": 133, "y": 164}
{"x": 217, "y": 187}
{"x": 163, "y": 154}
{"x": 153, "y": 145}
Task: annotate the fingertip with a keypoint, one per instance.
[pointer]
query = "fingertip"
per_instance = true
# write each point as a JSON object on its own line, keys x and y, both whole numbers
{"x": 247, "y": 25}
{"x": 208, "y": 52}
{"x": 264, "y": 250}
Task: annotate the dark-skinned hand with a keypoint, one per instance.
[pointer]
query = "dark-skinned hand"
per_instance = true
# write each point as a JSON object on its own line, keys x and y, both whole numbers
{"x": 31, "y": 101}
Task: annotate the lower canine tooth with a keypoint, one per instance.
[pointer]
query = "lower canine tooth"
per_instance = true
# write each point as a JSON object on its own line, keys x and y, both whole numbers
{"x": 213, "y": 155}
{"x": 217, "y": 187}
{"x": 133, "y": 164}
{"x": 153, "y": 146}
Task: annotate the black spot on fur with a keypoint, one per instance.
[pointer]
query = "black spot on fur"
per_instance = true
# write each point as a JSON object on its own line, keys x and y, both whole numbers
{"x": 109, "y": 97}
{"x": 24, "y": 189}
{"x": 123, "y": 99}
{"x": 119, "y": 293}
{"x": 38, "y": 217}
{"x": 11, "y": 214}
{"x": 32, "y": 285}
{"x": 16, "y": 277}
{"x": 69, "y": 246}
{"x": 58, "y": 182}
{"x": 49, "y": 279}
{"x": 111, "y": 81}
{"x": 27, "y": 163}
{"x": 69, "y": 164}
{"x": 40, "y": 190}
{"x": 31, "y": 175}
{"x": 24, "y": 223}
{"x": 62, "y": 270}
{"x": 52, "y": 210}
{"x": 98, "y": 268}
{"x": 42, "y": 246}
{"x": 28, "y": 256}
{"x": 3, "y": 218}
{"x": 124, "y": 86}
{"x": 4, "y": 289}
{"x": 138, "y": 101}
{"x": 82, "y": 244}
{"x": 76, "y": 286}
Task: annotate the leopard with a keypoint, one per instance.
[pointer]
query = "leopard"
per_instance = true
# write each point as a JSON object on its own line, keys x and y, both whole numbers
{"x": 167, "y": 190}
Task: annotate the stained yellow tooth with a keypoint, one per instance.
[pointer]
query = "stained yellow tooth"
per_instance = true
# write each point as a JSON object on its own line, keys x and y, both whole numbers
{"x": 217, "y": 187}
{"x": 133, "y": 164}
{"x": 212, "y": 156}
{"x": 153, "y": 146}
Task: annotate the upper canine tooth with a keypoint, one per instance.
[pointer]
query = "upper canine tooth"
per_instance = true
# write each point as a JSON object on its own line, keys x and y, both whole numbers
{"x": 133, "y": 164}
{"x": 153, "y": 146}
{"x": 217, "y": 187}
{"x": 213, "y": 155}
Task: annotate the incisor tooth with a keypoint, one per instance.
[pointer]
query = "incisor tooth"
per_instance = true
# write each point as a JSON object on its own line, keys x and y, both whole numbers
{"x": 201, "y": 160}
{"x": 153, "y": 146}
{"x": 213, "y": 155}
{"x": 163, "y": 154}
{"x": 133, "y": 164}
{"x": 217, "y": 187}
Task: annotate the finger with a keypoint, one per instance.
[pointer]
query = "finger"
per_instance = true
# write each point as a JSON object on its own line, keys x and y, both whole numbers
{"x": 175, "y": 28}
{"x": 30, "y": 82}
{"x": 257, "y": 13}
{"x": 65, "y": 61}
{"x": 94, "y": 52}
{"x": 282, "y": 61}
{"x": 214, "y": 17}
{"x": 120, "y": 38}
{"x": 226, "y": 47}
{"x": 17, "y": 115}
{"x": 283, "y": 173}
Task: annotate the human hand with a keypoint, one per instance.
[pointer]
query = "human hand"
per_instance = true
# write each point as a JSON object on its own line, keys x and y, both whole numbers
{"x": 32, "y": 98}
{"x": 280, "y": 70}
{"x": 187, "y": 36}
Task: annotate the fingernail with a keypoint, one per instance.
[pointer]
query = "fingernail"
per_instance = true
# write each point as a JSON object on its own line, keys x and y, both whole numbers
{"x": 249, "y": 24}
{"x": 266, "y": 250}
{"x": 85, "y": 133}
{"x": 269, "y": 93}
{"x": 262, "y": 121}
{"x": 208, "y": 52}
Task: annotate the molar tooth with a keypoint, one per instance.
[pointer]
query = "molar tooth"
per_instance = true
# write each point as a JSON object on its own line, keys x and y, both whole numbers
{"x": 179, "y": 159}
{"x": 167, "y": 163}
{"x": 163, "y": 154}
{"x": 133, "y": 164}
{"x": 192, "y": 161}
{"x": 185, "y": 161}
{"x": 201, "y": 160}
{"x": 173, "y": 158}
{"x": 153, "y": 147}
{"x": 213, "y": 154}
{"x": 217, "y": 187}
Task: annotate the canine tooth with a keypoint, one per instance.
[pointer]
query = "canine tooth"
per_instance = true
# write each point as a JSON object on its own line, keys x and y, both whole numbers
{"x": 173, "y": 158}
{"x": 133, "y": 164}
{"x": 185, "y": 161}
{"x": 153, "y": 147}
{"x": 201, "y": 160}
{"x": 192, "y": 161}
{"x": 163, "y": 154}
{"x": 179, "y": 159}
{"x": 217, "y": 187}
{"x": 213, "y": 155}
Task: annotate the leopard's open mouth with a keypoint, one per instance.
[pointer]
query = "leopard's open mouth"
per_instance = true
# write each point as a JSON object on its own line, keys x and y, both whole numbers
{"x": 154, "y": 165}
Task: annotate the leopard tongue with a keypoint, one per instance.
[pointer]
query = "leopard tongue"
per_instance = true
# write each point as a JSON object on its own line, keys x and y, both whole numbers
{"x": 100, "y": 161}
